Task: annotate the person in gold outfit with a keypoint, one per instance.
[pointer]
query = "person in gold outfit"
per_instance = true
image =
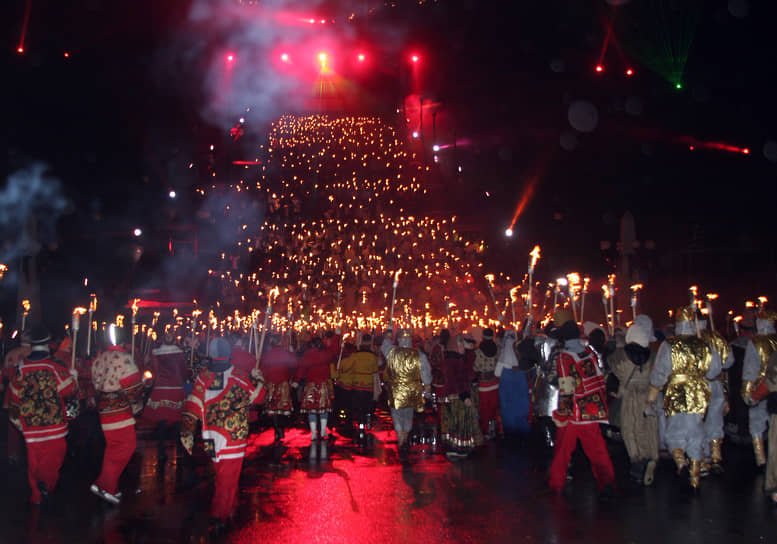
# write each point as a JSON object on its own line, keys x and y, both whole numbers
{"x": 759, "y": 348}
{"x": 408, "y": 377}
{"x": 684, "y": 364}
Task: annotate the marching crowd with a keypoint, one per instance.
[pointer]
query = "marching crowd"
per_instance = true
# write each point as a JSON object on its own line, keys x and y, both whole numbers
{"x": 671, "y": 393}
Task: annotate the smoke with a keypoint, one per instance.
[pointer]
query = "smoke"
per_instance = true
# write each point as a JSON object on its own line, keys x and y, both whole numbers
{"x": 29, "y": 194}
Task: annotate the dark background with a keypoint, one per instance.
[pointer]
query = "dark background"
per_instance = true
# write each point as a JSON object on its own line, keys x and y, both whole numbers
{"x": 120, "y": 120}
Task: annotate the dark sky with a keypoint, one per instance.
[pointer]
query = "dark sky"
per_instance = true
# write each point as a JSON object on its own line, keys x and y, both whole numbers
{"x": 121, "y": 118}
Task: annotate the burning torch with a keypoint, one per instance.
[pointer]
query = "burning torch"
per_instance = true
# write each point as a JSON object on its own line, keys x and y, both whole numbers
{"x": 134, "y": 314}
{"x": 605, "y": 303}
{"x": 490, "y": 285}
{"x": 573, "y": 280}
{"x": 26, "y": 306}
{"x": 394, "y": 296}
{"x": 634, "y": 297}
{"x": 273, "y": 292}
{"x": 77, "y": 313}
{"x": 92, "y": 310}
{"x": 586, "y": 281}
{"x": 710, "y": 298}
{"x": 195, "y": 315}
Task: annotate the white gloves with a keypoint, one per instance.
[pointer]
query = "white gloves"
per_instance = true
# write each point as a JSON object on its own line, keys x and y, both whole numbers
{"x": 257, "y": 374}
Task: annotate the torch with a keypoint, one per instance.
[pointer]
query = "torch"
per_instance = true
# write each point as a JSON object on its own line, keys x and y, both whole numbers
{"x": 586, "y": 281}
{"x": 77, "y": 313}
{"x": 92, "y": 310}
{"x": 195, "y": 315}
{"x": 710, "y": 298}
{"x": 634, "y": 296}
{"x": 26, "y": 306}
{"x": 762, "y": 300}
{"x": 342, "y": 347}
{"x": 3, "y": 270}
{"x": 489, "y": 284}
{"x": 447, "y": 300}
{"x": 692, "y": 291}
{"x": 134, "y": 314}
{"x": 605, "y": 300}
{"x": 513, "y": 298}
{"x": 267, "y": 313}
{"x": 394, "y": 295}
{"x": 611, "y": 289}
{"x": 573, "y": 279}
{"x": 534, "y": 255}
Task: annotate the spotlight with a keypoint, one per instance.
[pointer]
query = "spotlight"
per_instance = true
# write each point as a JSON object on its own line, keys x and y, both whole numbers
{"x": 242, "y": 120}
{"x": 435, "y": 148}
{"x": 171, "y": 194}
{"x": 509, "y": 232}
{"x": 414, "y": 58}
{"x": 629, "y": 72}
{"x": 599, "y": 68}
{"x": 361, "y": 57}
{"x": 415, "y": 134}
{"x": 285, "y": 57}
{"x": 746, "y": 151}
{"x": 20, "y": 50}
{"x": 137, "y": 232}
{"x": 230, "y": 58}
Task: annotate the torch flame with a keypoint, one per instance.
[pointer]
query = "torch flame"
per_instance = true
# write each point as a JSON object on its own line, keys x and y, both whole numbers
{"x": 738, "y": 318}
{"x": 535, "y": 255}
{"x": 79, "y": 311}
{"x": 3, "y": 270}
{"x": 762, "y": 300}
{"x": 636, "y": 287}
{"x": 135, "y": 306}
{"x": 712, "y": 296}
{"x": 693, "y": 289}
{"x": 148, "y": 375}
{"x": 93, "y": 303}
{"x": 606, "y": 290}
{"x": 749, "y": 304}
{"x": 196, "y": 313}
{"x": 26, "y": 305}
{"x": 514, "y": 291}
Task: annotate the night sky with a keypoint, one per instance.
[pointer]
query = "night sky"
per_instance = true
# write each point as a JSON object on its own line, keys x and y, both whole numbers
{"x": 120, "y": 119}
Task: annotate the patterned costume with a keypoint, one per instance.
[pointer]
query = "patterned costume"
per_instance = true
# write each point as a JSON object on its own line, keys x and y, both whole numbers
{"x": 581, "y": 407}
{"x": 119, "y": 389}
{"x": 759, "y": 349}
{"x": 685, "y": 364}
{"x": 10, "y": 366}
{"x": 278, "y": 367}
{"x": 37, "y": 408}
{"x": 459, "y": 427}
{"x": 314, "y": 369}
{"x": 220, "y": 400}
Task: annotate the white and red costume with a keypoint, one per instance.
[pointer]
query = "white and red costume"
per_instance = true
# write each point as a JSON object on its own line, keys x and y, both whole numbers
{"x": 37, "y": 408}
{"x": 117, "y": 380}
{"x": 581, "y": 408}
{"x": 220, "y": 400}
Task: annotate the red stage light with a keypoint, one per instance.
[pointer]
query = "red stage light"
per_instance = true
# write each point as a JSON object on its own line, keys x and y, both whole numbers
{"x": 599, "y": 68}
{"x": 323, "y": 21}
{"x": 312, "y": 21}
{"x": 746, "y": 151}
{"x": 322, "y": 59}
{"x": 20, "y": 50}
{"x": 361, "y": 57}
{"x": 629, "y": 72}
{"x": 414, "y": 58}
{"x": 230, "y": 58}
{"x": 285, "y": 57}
{"x": 67, "y": 54}
{"x": 691, "y": 147}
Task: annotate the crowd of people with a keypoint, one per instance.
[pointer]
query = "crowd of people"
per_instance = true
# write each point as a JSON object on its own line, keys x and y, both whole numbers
{"x": 671, "y": 394}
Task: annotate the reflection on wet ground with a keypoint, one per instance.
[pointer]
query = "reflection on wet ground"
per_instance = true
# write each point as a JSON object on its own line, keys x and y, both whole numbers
{"x": 358, "y": 491}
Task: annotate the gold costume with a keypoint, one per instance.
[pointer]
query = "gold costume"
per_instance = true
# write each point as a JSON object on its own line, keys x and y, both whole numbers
{"x": 687, "y": 391}
{"x": 403, "y": 376}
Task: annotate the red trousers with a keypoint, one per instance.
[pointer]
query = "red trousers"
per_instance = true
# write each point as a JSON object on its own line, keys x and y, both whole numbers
{"x": 119, "y": 446}
{"x": 227, "y": 475}
{"x": 44, "y": 459}
{"x": 15, "y": 441}
{"x": 594, "y": 447}
{"x": 489, "y": 403}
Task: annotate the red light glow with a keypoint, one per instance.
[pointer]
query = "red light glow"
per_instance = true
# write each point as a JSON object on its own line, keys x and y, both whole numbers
{"x": 285, "y": 57}
{"x": 414, "y": 58}
{"x": 20, "y": 50}
{"x": 230, "y": 58}
{"x": 67, "y": 55}
{"x": 361, "y": 57}
{"x": 599, "y": 68}
{"x": 629, "y": 72}
{"x": 746, "y": 151}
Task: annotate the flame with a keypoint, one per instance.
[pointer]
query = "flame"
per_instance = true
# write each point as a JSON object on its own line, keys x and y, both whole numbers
{"x": 762, "y": 300}
{"x": 712, "y": 296}
{"x": 738, "y": 318}
{"x": 693, "y": 289}
{"x": 636, "y": 287}
{"x": 3, "y": 270}
{"x": 749, "y": 304}
{"x": 196, "y": 313}
{"x": 148, "y": 375}
{"x": 606, "y": 291}
{"x": 586, "y": 281}
{"x": 93, "y": 303}
{"x": 514, "y": 291}
{"x": 535, "y": 255}
{"x": 135, "y": 306}
{"x": 79, "y": 311}
{"x": 120, "y": 320}
{"x": 26, "y": 305}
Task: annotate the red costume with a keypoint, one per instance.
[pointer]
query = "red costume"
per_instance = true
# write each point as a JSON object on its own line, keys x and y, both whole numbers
{"x": 168, "y": 364}
{"x": 36, "y": 406}
{"x": 278, "y": 367}
{"x": 315, "y": 370}
{"x": 581, "y": 407}
{"x": 116, "y": 379}
{"x": 220, "y": 400}
{"x": 11, "y": 363}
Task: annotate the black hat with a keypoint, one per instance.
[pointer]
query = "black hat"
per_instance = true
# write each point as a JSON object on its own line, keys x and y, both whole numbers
{"x": 488, "y": 334}
{"x": 569, "y": 330}
{"x": 39, "y": 339}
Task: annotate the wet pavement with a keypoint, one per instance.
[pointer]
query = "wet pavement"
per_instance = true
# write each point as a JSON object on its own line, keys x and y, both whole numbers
{"x": 340, "y": 491}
